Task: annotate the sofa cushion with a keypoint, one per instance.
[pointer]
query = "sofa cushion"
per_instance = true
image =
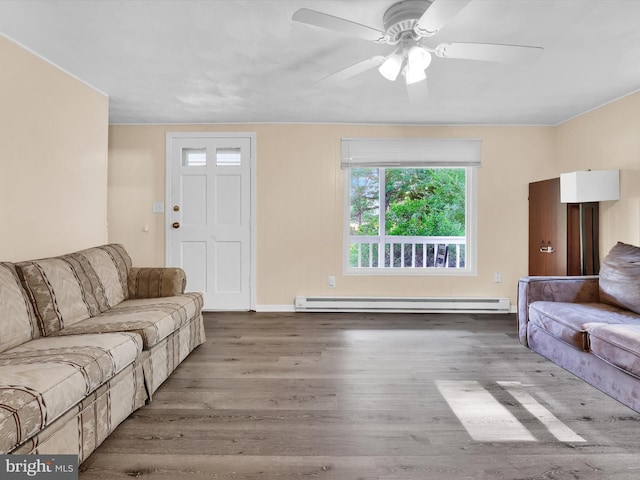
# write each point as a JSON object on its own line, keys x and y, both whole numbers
{"x": 40, "y": 380}
{"x": 618, "y": 345}
{"x": 151, "y": 318}
{"x": 568, "y": 321}
{"x": 17, "y": 320}
{"x": 112, "y": 264}
{"x": 156, "y": 282}
{"x": 70, "y": 288}
{"x": 620, "y": 277}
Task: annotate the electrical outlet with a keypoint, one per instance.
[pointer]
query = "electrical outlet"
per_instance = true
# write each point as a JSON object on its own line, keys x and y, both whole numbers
{"x": 497, "y": 277}
{"x": 331, "y": 282}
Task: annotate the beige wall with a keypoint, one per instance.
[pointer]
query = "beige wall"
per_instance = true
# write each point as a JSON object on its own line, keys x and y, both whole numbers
{"x": 300, "y": 205}
{"x": 608, "y": 138}
{"x": 53, "y": 159}
{"x": 53, "y": 186}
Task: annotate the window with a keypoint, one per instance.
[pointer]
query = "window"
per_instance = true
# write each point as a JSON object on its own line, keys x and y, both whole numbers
{"x": 194, "y": 157}
{"x": 228, "y": 157}
{"x": 410, "y": 203}
{"x": 225, "y": 157}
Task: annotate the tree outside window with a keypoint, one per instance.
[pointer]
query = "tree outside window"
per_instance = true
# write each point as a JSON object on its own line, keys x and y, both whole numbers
{"x": 421, "y": 208}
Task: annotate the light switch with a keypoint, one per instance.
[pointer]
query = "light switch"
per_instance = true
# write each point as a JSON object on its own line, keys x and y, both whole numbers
{"x": 158, "y": 207}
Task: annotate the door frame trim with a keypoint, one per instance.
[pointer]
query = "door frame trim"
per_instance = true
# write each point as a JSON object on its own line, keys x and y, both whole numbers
{"x": 171, "y": 137}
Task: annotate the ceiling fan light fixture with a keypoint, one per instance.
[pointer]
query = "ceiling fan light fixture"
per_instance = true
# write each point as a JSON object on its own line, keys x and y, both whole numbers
{"x": 390, "y": 68}
{"x": 418, "y": 57}
{"x": 414, "y": 75}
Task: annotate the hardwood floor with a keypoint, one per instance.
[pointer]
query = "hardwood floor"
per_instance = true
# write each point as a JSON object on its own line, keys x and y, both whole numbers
{"x": 364, "y": 396}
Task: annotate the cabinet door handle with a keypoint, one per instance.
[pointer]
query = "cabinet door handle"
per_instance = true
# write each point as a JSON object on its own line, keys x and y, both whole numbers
{"x": 546, "y": 249}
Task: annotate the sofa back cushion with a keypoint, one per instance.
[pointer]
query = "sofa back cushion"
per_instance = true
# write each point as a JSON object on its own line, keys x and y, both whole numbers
{"x": 619, "y": 280}
{"x": 67, "y": 289}
{"x": 17, "y": 320}
{"x": 112, "y": 265}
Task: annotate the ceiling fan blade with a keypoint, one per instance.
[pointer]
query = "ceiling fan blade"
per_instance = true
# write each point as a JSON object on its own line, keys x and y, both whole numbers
{"x": 489, "y": 52}
{"x": 438, "y": 15}
{"x": 353, "y": 70}
{"x": 319, "y": 19}
{"x": 418, "y": 92}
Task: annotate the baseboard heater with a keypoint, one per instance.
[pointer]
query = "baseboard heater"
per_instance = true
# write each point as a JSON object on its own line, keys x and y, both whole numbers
{"x": 402, "y": 304}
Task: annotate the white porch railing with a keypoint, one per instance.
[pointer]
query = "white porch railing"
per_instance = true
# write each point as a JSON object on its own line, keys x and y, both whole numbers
{"x": 403, "y": 252}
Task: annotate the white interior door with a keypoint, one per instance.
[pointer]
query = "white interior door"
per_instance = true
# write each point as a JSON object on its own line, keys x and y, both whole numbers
{"x": 208, "y": 213}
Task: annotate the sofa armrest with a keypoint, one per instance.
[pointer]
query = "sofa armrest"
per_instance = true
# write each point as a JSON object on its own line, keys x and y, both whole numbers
{"x": 156, "y": 282}
{"x": 577, "y": 289}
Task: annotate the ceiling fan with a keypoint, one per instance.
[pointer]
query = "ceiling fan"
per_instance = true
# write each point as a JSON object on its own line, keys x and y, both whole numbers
{"x": 407, "y": 25}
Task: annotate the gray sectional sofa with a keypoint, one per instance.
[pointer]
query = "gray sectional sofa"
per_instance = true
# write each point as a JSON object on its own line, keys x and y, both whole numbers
{"x": 589, "y": 325}
{"x": 86, "y": 339}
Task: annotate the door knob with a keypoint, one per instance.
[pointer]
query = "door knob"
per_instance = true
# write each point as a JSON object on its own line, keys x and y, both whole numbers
{"x": 175, "y": 225}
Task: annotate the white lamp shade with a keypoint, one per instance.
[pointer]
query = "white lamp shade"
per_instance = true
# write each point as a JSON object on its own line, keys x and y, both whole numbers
{"x": 590, "y": 186}
{"x": 414, "y": 75}
{"x": 418, "y": 59}
{"x": 390, "y": 68}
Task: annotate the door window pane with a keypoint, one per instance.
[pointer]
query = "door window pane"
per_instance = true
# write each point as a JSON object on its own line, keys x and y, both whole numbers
{"x": 228, "y": 157}
{"x": 194, "y": 157}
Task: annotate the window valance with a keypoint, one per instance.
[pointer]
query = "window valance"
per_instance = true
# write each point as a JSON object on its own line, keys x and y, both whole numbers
{"x": 410, "y": 152}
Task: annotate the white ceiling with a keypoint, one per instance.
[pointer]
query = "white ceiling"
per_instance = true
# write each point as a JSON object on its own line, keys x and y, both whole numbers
{"x": 228, "y": 61}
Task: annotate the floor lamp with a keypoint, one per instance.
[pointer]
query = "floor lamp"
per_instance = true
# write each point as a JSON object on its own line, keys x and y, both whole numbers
{"x": 583, "y": 191}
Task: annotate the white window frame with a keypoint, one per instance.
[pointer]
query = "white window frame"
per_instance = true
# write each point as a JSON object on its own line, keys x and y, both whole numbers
{"x": 414, "y": 153}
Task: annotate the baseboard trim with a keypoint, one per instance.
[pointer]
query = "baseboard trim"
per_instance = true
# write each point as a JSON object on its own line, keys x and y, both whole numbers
{"x": 276, "y": 308}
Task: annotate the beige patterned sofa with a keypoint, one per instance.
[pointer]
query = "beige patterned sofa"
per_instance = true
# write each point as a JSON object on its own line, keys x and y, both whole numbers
{"x": 86, "y": 339}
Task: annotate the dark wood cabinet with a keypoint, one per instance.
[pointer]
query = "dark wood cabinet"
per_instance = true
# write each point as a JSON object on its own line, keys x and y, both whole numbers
{"x": 563, "y": 237}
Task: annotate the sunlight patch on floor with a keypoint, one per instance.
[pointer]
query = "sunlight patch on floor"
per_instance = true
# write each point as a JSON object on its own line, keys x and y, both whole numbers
{"x": 484, "y": 418}
{"x": 487, "y": 420}
{"x": 548, "y": 419}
